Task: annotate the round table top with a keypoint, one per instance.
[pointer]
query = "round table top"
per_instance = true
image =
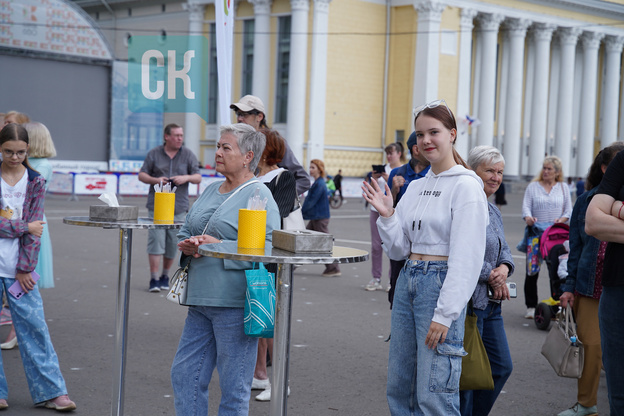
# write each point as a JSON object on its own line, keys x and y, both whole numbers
{"x": 140, "y": 223}
{"x": 270, "y": 254}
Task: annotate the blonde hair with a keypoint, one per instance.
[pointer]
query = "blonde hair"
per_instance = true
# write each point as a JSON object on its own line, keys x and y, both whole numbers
{"x": 20, "y": 118}
{"x": 41, "y": 144}
{"x": 556, "y": 163}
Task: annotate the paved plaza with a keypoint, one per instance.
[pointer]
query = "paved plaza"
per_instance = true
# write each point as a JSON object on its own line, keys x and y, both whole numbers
{"x": 338, "y": 354}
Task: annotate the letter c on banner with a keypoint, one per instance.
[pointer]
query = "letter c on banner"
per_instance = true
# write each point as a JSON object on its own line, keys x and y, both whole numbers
{"x": 145, "y": 75}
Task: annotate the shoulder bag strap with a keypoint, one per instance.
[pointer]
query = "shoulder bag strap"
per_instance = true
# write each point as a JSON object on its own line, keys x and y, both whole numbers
{"x": 228, "y": 198}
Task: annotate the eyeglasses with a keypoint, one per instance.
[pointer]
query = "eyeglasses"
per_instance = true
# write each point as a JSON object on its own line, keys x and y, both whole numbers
{"x": 432, "y": 104}
{"x": 9, "y": 153}
{"x": 245, "y": 113}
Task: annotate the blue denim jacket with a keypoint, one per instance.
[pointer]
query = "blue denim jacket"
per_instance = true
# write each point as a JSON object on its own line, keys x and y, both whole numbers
{"x": 316, "y": 204}
{"x": 583, "y": 250}
{"x": 497, "y": 252}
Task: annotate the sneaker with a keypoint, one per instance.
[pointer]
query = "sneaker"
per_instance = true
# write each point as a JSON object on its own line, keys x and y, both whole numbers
{"x": 61, "y": 404}
{"x": 530, "y": 313}
{"x": 579, "y": 410}
{"x": 154, "y": 285}
{"x": 389, "y": 287}
{"x": 265, "y": 396}
{"x": 374, "y": 284}
{"x": 258, "y": 384}
{"x": 3, "y": 404}
{"x": 163, "y": 282}
{"x": 332, "y": 274}
{"x": 5, "y": 316}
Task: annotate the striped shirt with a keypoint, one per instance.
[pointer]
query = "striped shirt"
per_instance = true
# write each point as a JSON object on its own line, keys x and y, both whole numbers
{"x": 546, "y": 207}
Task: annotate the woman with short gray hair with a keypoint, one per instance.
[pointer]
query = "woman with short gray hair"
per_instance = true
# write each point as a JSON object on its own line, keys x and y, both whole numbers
{"x": 488, "y": 163}
{"x": 214, "y": 331}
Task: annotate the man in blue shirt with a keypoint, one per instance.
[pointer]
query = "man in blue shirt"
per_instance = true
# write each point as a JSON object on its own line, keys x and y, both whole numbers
{"x": 416, "y": 168}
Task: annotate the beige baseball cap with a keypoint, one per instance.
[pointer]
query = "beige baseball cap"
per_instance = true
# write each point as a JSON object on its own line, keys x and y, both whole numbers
{"x": 249, "y": 103}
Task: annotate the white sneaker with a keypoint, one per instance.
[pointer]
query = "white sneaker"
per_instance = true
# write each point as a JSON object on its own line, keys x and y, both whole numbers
{"x": 530, "y": 313}
{"x": 389, "y": 287}
{"x": 374, "y": 284}
{"x": 258, "y": 384}
{"x": 265, "y": 396}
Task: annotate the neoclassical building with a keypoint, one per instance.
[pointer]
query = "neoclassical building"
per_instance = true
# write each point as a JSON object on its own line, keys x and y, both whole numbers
{"x": 340, "y": 78}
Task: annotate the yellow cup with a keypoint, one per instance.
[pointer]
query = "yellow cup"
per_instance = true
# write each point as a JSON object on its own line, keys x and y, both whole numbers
{"x": 251, "y": 228}
{"x": 164, "y": 207}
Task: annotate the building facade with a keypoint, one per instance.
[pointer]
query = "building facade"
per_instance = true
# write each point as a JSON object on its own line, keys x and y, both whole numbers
{"x": 340, "y": 78}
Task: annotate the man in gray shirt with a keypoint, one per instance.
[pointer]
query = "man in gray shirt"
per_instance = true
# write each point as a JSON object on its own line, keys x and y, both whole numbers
{"x": 169, "y": 163}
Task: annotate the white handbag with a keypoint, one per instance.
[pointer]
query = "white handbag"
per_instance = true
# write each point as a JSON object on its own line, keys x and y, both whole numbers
{"x": 177, "y": 292}
{"x": 294, "y": 220}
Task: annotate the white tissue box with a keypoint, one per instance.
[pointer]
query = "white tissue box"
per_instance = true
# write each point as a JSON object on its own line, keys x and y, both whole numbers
{"x": 303, "y": 241}
{"x": 106, "y": 213}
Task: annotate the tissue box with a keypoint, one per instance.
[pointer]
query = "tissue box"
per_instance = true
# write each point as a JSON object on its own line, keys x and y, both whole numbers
{"x": 106, "y": 213}
{"x": 303, "y": 241}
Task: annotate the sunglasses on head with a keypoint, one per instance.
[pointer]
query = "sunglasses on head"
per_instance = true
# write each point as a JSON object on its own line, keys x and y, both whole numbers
{"x": 432, "y": 104}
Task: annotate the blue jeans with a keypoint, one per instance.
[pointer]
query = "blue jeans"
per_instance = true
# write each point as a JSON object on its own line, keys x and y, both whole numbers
{"x": 213, "y": 337}
{"x": 490, "y": 324}
{"x": 40, "y": 361}
{"x": 611, "y": 316}
{"x": 422, "y": 381}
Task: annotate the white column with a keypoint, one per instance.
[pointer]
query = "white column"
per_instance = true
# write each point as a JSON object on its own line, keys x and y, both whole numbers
{"x": 542, "y": 35}
{"x": 297, "y": 72}
{"x": 427, "y": 51}
{"x": 563, "y": 133}
{"x": 476, "y": 87}
{"x": 318, "y": 79}
{"x": 528, "y": 107}
{"x": 516, "y": 30}
{"x": 610, "y": 108}
{"x": 587, "y": 126}
{"x": 192, "y": 121}
{"x": 262, "y": 49}
{"x": 488, "y": 27}
{"x": 464, "y": 78}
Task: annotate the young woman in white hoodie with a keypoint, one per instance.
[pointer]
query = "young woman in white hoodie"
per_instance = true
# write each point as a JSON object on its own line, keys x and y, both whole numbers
{"x": 439, "y": 226}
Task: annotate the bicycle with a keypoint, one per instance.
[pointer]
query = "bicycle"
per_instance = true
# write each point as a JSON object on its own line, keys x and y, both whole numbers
{"x": 335, "y": 200}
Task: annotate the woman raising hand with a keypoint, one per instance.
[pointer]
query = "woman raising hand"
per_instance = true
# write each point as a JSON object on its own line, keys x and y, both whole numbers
{"x": 439, "y": 226}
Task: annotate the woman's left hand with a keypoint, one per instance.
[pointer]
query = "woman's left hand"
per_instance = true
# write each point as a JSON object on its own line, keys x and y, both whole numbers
{"x": 382, "y": 201}
{"x": 26, "y": 281}
{"x": 437, "y": 333}
{"x": 190, "y": 245}
{"x": 498, "y": 276}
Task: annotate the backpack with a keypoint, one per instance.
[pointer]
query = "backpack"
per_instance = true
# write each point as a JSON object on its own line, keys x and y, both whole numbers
{"x": 553, "y": 235}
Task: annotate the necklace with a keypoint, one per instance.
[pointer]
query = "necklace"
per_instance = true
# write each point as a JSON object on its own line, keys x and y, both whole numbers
{"x": 12, "y": 176}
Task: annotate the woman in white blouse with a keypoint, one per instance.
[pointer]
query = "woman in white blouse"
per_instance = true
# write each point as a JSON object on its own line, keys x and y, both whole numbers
{"x": 546, "y": 201}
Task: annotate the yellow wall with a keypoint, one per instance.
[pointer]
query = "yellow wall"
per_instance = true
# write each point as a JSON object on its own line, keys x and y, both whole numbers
{"x": 355, "y": 73}
{"x": 355, "y": 81}
{"x": 401, "y": 71}
{"x": 449, "y": 64}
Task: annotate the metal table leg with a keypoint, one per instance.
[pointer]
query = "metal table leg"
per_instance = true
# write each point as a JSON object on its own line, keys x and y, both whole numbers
{"x": 121, "y": 321}
{"x": 281, "y": 341}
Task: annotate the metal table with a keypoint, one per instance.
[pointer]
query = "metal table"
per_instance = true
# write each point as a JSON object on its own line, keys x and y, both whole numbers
{"x": 283, "y": 310}
{"x": 123, "y": 293}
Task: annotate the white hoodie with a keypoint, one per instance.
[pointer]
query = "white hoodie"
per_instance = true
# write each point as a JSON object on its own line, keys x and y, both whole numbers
{"x": 442, "y": 215}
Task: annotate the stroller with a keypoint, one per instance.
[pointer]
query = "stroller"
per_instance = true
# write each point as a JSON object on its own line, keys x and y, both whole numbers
{"x": 551, "y": 247}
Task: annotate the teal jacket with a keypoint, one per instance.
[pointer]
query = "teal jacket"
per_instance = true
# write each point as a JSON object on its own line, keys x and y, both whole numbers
{"x": 213, "y": 281}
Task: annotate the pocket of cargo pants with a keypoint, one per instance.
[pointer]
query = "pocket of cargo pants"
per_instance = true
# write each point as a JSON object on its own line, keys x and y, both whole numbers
{"x": 446, "y": 368}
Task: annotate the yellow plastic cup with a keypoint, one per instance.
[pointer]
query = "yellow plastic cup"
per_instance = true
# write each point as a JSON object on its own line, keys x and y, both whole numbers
{"x": 251, "y": 228}
{"x": 164, "y": 207}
